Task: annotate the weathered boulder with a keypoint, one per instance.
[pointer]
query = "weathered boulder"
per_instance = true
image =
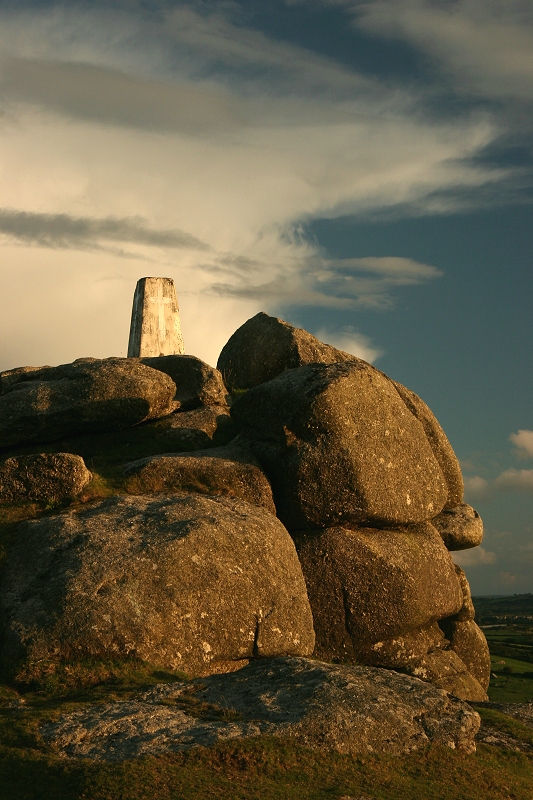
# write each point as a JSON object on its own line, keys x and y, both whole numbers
{"x": 466, "y": 638}
{"x": 469, "y": 642}
{"x": 210, "y": 426}
{"x": 87, "y": 396}
{"x": 439, "y": 443}
{"x": 348, "y": 709}
{"x": 367, "y": 587}
{"x": 193, "y": 583}
{"x": 265, "y": 346}
{"x": 460, "y": 527}
{"x": 340, "y": 446}
{"x": 197, "y": 384}
{"x": 446, "y": 670}
{"x": 45, "y": 477}
{"x": 221, "y": 470}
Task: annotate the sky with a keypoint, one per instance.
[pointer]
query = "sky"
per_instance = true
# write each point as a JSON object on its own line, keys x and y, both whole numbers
{"x": 361, "y": 169}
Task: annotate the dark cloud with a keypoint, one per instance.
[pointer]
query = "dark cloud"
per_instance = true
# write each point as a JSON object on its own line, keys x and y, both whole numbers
{"x": 65, "y": 231}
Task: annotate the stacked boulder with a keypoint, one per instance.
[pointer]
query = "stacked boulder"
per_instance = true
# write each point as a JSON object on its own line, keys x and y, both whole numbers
{"x": 368, "y": 485}
{"x": 315, "y": 515}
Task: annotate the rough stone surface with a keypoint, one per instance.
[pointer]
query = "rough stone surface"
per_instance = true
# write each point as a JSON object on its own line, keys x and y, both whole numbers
{"x": 467, "y": 611}
{"x": 265, "y": 346}
{"x": 405, "y": 652}
{"x": 197, "y": 384}
{"x": 445, "y": 669}
{"x": 470, "y": 644}
{"x": 48, "y": 477}
{"x": 439, "y": 443}
{"x": 339, "y": 445}
{"x": 90, "y": 395}
{"x": 155, "y": 319}
{"x": 460, "y": 527}
{"x": 221, "y": 470}
{"x": 370, "y": 586}
{"x": 182, "y": 431}
{"x": 347, "y": 709}
{"x": 192, "y": 583}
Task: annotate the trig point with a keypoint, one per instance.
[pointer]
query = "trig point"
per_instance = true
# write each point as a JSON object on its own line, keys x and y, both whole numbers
{"x": 155, "y": 320}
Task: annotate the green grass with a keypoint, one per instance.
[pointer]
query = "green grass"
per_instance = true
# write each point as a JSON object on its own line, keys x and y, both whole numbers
{"x": 270, "y": 769}
{"x": 510, "y": 685}
{"x": 266, "y": 768}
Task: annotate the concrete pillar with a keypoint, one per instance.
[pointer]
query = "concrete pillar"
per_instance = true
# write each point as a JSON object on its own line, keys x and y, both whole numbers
{"x": 155, "y": 319}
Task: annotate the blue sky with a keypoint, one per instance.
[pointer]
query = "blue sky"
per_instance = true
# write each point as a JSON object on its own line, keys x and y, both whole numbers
{"x": 362, "y": 169}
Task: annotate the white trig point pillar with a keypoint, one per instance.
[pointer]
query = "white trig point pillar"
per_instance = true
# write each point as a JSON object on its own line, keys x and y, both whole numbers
{"x": 155, "y": 320}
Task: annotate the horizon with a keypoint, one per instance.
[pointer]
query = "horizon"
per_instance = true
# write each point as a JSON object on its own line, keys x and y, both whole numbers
{"x": 363, "y": 170}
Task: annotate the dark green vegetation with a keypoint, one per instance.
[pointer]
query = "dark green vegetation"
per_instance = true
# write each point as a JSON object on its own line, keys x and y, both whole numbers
{"x": 268, "y": 769}
{"x": 507, "y": 623}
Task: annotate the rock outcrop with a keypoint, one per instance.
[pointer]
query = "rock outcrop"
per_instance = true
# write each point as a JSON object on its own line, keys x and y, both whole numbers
{"x": 265, "y": 346}
{"x": 194, "y": 571}
{"x": 90, "y": 395}
{"x": 209, "y": 426}
{"x": 340, "y": 446}
{"x": 193, "y": 583}
{"x": 197, "y": 384}
{"x": 460, "y": 527}
{"x": 368, "y": 587}
{"x": 348, "y": 709}
{"x": 219, "y": 471}
{"x": 45, "y": 477}
{"x": 438, "y": 441}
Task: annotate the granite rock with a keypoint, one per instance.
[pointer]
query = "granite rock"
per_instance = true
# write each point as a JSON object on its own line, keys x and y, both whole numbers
{"x": 347, "y": 709}
{"x": 226, "y": 470}
{"x": 460, "y": 527}
{"x": 90, "y": 395}
{"x": 43, "y": 477}
{"x": 339, "y": 445}
{"x": 194, "y": 583}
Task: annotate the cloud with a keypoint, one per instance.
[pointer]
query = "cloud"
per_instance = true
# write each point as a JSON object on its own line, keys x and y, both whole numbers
{"x": 186, "y": 140}
{"x": 351, "y": 341}
{"x": 523, "y": 440}
{"x": 520, "y": 480}
{"x": 475, "y": 557}
{"x": 484, "y": 47}
{"x": 328, "y": 283}
{"x": 477, "y": 488}
{"x": 66, "y": 231}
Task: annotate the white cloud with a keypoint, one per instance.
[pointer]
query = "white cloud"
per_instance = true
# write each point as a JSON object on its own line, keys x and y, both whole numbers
{"x": 204, "y": 132}
{"x": 473, "y": 558}
{"x": 523, "y": 440}
{"x": 477, "y": 488}
{"x": 351, "y": 341}
{"x": 486, "y": 47}
{"x": 520, "y": 480}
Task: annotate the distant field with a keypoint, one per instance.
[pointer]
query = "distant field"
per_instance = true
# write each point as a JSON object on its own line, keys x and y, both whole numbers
{"x": 508, "y": 625}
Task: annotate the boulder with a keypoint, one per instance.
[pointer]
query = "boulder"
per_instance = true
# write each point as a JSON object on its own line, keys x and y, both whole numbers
{"x": 468, "y": 641}
{"x": 197, "y": 384}
{"x": 182, "y": 431}
{"x": 328, "y": 707}
{"x": 460, "y": 527}
{"x": 339, "y": 445}
{"x": 368, "y": 587}
{"x": 220, "y": 470}
{"x": 405, "y": 652}
{"x": 190, "y": 582}
{"x": 446, "y": 670}
{"x": 44, "y": 477}
{"x": 90, "y": 395}
{"x": 439, "y": 443}
{"x": 265, "y": 346}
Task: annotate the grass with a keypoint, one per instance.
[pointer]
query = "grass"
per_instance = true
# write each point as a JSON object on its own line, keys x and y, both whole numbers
{"x": 266, "y": 768}
{"x": 269, "y": 769}
{"x": 511, "y": 680}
